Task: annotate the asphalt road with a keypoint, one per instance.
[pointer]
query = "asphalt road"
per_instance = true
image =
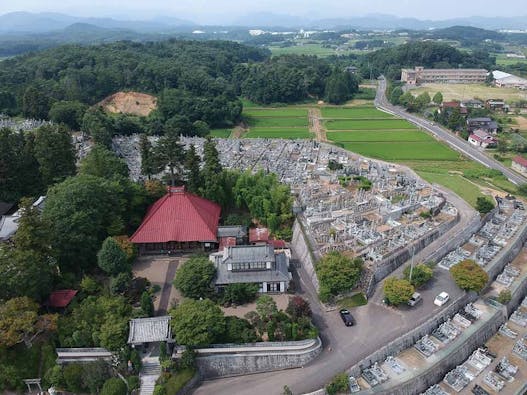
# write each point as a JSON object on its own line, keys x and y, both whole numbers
{"x": 447, "y": 136}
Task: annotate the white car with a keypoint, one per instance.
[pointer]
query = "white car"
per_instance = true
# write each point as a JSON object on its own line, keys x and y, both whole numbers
{"x": 441, "y": 299}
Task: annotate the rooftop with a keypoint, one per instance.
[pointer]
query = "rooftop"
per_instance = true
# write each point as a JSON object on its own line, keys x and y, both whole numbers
{"x": 280, "y": 273}
{"x": 61, "y": 298}
{"x": 149, "y": 330}
{"x": 246, "y": 254}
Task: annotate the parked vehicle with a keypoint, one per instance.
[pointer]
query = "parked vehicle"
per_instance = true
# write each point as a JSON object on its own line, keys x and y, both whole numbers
{"x": 441, "y": 299}
{"x": 347, "y": 318}
{"x": 416, "y": 298}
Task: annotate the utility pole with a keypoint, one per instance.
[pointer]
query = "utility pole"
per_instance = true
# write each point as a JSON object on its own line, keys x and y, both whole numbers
{"x": 412, "y": 263}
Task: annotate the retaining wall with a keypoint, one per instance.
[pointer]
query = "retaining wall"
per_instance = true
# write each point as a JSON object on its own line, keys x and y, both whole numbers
{"x": 304, "y": 253}
{"x": 241, "y": 359}
{"x": 409, "y": 339}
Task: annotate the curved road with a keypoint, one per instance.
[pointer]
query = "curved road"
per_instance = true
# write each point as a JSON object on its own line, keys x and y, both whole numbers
{"x": 345, "y": 346}
{"x": 445, "y": 135}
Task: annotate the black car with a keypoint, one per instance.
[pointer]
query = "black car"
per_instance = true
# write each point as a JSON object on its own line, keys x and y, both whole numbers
{"x": 347, "y": 317}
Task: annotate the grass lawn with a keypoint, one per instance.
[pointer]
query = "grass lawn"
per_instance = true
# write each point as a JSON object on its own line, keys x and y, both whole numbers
{"x": 380, "y": 136}
{"x": 305, "y": 49}
{"x": 402, "y": 151}
{"x": 275, "y": 133}
{"x": 275, "y": 112}
{"x": 456, "y": 183}
{"x": 221, "y": 133}
{"x": 277, "y": 122}
{"x": 468, "y": 91}
{"x": 345, "y": 124}
{"x": 353, "y": 301}
{"x": 502, "y": 59}
{"x": 355, "y": 112}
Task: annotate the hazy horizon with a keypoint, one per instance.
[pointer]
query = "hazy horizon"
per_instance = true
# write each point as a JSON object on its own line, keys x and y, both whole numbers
{"x": 225, "y": 12}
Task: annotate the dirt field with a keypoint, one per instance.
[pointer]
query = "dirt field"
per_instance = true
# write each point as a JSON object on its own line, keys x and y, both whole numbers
{"x": 281, "y": 302}
{"x": 134, "y": 103}
{"x": 469, "y": 91}
{"x": 522, "y": 123}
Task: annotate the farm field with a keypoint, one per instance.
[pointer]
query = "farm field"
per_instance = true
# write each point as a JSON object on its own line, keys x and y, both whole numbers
{"x": 355, "y": 113}
{"x": 221, "y": 133}
{"x": 306, "y": 49}
{"x": 502, "y": 59}
{"x": 468, "y": 91}
{"x": 367, "y": 124}
{"x": 275, "y": 112}
{"x": 275, "y": 133}
{"x": 277, "y": 122}
{"x": 379, "y": 136}
{"x": 402, "y": 151}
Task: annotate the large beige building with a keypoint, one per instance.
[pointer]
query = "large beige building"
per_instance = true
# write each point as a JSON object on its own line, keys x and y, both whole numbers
{"x": 420, "y": 75}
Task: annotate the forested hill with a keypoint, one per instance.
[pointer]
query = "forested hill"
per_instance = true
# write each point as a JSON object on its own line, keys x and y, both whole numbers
{"x": 428, "y": 54}
{"x": 30, "y": 83}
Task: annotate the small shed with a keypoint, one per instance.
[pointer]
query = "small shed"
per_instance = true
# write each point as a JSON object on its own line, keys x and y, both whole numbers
{"x": 149, "y": 330}
{"x": 61, "y": 298}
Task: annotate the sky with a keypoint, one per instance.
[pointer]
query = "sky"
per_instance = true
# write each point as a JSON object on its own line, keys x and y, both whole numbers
{"x": 226, "y": 11}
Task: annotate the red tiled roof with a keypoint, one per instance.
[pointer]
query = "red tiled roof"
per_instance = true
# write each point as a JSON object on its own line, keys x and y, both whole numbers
{"x": 226, "y": 242}
{"x": 277, "y": 244}
{"x": 450, "y": 104}
{"x": 476, "y": 137}
{"x": 179, "y": 216}
{"x": 520, "y": 160}
{"x": 61, "y": 298}
{"x": 258, "y": 235}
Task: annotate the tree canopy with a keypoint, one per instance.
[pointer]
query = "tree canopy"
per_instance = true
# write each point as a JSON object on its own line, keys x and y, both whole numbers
{"x": 194, "y": 277}
{"x": 469, "y": 276}
{"x": 337, "y": 274}
{"x": 421, "y": 274}
{"x": 397, "y": 290}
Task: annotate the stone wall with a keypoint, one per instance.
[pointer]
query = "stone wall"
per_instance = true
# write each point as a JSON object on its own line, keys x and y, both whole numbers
{"x": 304, "y": 253}
{"x": 241, "y": 359}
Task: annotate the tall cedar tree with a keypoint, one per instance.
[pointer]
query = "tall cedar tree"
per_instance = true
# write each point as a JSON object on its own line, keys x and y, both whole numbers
{"x": 169, "y": 152}
{"x": 111, "y": 258}
{"x": 212, "y": 186}
{"x": 55, "y": 153}
{"x": 101, "y": 162}
{"x": 147, "y": 158}
{"x": 192, "y": 164}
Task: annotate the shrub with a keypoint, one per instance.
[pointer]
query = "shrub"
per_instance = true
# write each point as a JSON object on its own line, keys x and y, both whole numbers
{"x": 240, "y": 293}
{"x": 147, "y": 305}
{"x": 111, "y": 258}
{"x": 339, "y": 383}
{"x": 120, "y": 283}
{"x": 133, "y": 383}
{"x": 505, "y": 296}
{"x": 298, "y": 307}
{"x": 397, "y": 290}
{"x": 484, "y": 205}
{"x": 421, "y": 274}
{"x": 469, "y": 276}
{"x": 114, "y": 386}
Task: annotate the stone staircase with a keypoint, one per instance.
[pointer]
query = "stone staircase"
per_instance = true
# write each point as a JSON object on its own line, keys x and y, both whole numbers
{"x": 150, "y": 372}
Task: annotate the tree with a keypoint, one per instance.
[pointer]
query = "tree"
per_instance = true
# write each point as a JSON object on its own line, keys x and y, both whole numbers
{"x": 469, "y": 276}
{"x": 266, "y": 307}
{"x": 211, "y": 186}
{"x": 438, "y": 98}
{"x": 35, "y": 103}
{"x": 397, "y": 290}
{"x": 82, "y": 211}
{"x": 69, "y": 113}
{"x": 97, "y": 125}
{"x": 148, "y": 167}
{"x": 147, "y": 305}
{"x": 298, "y": 307}
{"x": 484, "y": 205}
{"x": 337, "y": 274}
{"x": 73, "y": 374}
{"x": 421, "y": 274}
{"x": 505, "y": 296}
{"x": 340, "y": 86}
{"x": 120, "y": 283}
{"x": 94, "y": 374}
{"x": 111, "y": 258}
{"x": 114, "y": 386}
{"x": 422, "y": 100}
{"x": 238, "y": 330}
{"x": 197, "y": 322}
{"x": 169, "y": 153}
{"x": 240, "y": 293}
{"x": 101, "y": 162}
{"x": 192, "y": 167}
{"x": 396, "y": 94}
{"x": 338, "y": 384}
{"x": 55, "y": 153}
{"x": 194, "y": 277}
{"x": 33, "y": 231}
{"x": 20, "y": 322}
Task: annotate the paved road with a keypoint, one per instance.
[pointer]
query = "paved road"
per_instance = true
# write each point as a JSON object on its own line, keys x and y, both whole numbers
{"x": 344, "y": 346}
{"x": 444, "y": 134}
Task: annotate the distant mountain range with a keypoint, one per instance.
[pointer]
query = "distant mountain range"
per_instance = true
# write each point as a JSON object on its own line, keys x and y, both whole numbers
{"x": 25, "y": 22}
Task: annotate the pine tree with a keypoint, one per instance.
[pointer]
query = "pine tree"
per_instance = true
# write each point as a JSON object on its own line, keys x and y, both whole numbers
{"x": 212, "y": 185}
{"x": 147, "y": 159}
{"x": 170, "y": 153}
{"x": 192, "y": 164}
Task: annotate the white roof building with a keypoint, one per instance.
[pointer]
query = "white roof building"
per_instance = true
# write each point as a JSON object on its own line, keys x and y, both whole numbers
{"x": 150, "y": 330}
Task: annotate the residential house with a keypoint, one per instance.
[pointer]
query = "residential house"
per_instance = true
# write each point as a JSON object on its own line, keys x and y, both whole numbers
{"x": 472, "y": 103}
{"x": 519, "y": 163}
{"x": 496, "y": 105}
{"x": 448, "y": 106}
{"x": 480, "y": 138}
{"x": 253, "y": 264}
{"x": 483, "y": 123}
{"x": 259, "y": 236}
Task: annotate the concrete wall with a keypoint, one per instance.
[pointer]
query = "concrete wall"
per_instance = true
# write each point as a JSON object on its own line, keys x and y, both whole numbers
{"x": 241, "y": 359}
{"x": 304, "y": 253}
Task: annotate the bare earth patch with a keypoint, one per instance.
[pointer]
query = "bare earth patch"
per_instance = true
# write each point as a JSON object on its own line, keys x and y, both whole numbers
{"x": 133, "y": 103}
{"x": 281, "y": 301}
